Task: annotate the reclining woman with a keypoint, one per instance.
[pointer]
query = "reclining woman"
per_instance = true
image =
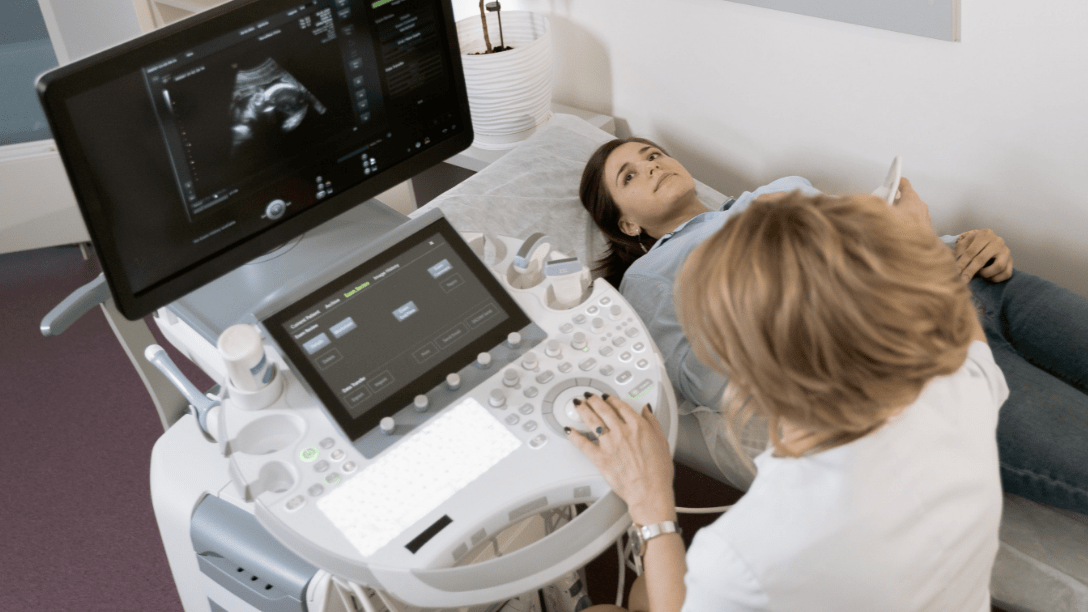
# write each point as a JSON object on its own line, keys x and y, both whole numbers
{"x": 845, "y": 323}
{"x": 645, "y": 203}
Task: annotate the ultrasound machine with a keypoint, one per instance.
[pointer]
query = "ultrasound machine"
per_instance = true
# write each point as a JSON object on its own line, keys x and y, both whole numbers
{"x": 387, "y": 431}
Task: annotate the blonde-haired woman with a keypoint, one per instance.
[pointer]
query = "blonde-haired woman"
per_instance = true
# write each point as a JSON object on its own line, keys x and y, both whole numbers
{"x": 844, "y": 322}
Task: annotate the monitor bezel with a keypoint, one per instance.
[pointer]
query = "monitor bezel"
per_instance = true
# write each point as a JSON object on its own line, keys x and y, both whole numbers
{"x": 58, "y": 86}
{"x": 355, "y": 427}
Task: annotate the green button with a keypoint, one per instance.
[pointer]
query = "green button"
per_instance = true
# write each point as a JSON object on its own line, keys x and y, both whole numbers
{"x": 309, "y": 454}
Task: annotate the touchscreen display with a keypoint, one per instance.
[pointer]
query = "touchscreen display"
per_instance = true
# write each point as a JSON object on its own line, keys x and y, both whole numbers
{"x": 395, "y": 326}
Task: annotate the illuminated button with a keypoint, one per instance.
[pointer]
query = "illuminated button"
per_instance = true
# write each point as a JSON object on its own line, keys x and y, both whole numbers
{"x": 607, "y": 370}
{"x": 642, "y": 364}
{"x": 619, "y": 341}
{"x": 483, "y": 361}
{"x": 565, "y": 367}
{"x": 453, "y": 381}
{"x": 606, "y": 351}
{"x": 598, "y": 324}
{"x": 529, "y": 426}
{"x": 639, "y": 347}
{"x": 387, "y": 425}
{"x": 605, "y": 301}
{"x": 552, "y": 349}
{"x": 626, "y": 356}
{"x": 526, "y": 409}
{"x": 332, "y": 478}
{"x": 420, "y": 403}
{"x": 578, "y": 342}
{"x": 641, "y": 388}
{"x": 512, "y": 419}
{"x": 538, "y": 441}
{"x": 337, "y": 454}
{"x": 587, "y": 364}
{"x": 321, "y": 466}
{"x": 631, "y": 332}
{"x": 327, "y": 443}
{"x": 275, "y": 209}
{"x": 593, "y": 310}
{"x": 566, "y": 328}
{"x": 623, "y": 377}
{"x": 308, "y": 454}
{"x": 297, "y": 501}
{"x": 513, "y": 339}
{"x": 545, "y": 376}
{"x": 579, "y": 319}
{"x": 315, "y": 490}
{"x": 615, "y": 312}
{"x": 349, "y": 467}
{"x": 510, "y": 377}
{"x": 497, "y": 398}
{"x": 530, "y": 362}
{"x": 532, "y": 392}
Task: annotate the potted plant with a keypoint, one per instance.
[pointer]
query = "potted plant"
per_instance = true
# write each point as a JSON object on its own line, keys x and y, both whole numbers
{"x": 509, "y": 85}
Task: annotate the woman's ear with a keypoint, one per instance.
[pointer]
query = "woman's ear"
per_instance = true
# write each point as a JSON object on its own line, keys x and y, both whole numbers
{"x": 629, "y": 228}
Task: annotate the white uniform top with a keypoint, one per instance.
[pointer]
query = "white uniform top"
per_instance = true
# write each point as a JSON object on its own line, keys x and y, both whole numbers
{"x": 905, "y": 518}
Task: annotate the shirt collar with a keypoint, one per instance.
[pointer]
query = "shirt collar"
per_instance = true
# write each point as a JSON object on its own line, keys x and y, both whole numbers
{"x": 696, "y": 220}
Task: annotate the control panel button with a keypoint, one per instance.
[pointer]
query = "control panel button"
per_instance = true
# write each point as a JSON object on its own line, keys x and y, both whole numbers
{"x": 631, "y": 332}
{"x": 615, "y": 312}
{"x": 605, "y": 301}
{"x": 321, "y": 466}
{"x": 642, "y": 364}
{"x": 619, "y": 341}
{"x": 349, "y": 467}
{"x": 587, "y": 364}
{"x": 453, "y": 381}
{"x": 565, "y": 367}
{"x": 607, "y": 370}
{"x": 513, "y": 339}
{"x": 639, "y": 347}
{"x": 529, "y": 426}
{"x": 510, "y": 377}
{"x": 578, "y": 343}
{"x": 420, "y": 403}
{"x": 308, "y": 454}
{"x": 580, "y": 319}
{"x": 483, "y": 361}
{"x": 606, "y": 351}
{"x": 545, "y": 376}
{"x": 332, "y": 478}
{"x": 597, "y": 323}
{"x": 592, "y": 310}
{"x": 512, "y": 419}
{"x": 297, "y": 501}
{"x": 641, "y": 388}
{"x": 538, "y": 441}
{"x": 327, "y": 443}
{"x": 530, "y": 362}
{"x": 315, "y": 490}
{"x": 552, "y": 349}
{"x": 566, "y": 328}
{"x": 526, "y": 409}
{"x": 337, "y": 454}
{"x": 623, "y": 377}
{"x": 532, "y": 392}
{"x": 497, "y": 398}
{"x": 275, "y": 209}
{"x": 387, "y": 425}
{"x": 626, "y": 356}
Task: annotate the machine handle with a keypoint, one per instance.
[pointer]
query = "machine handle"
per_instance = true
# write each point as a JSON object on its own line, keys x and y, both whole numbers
{"x": 75, "y": 306}
{"x": 523, "y": 570}
{"x": 201, "y": 403}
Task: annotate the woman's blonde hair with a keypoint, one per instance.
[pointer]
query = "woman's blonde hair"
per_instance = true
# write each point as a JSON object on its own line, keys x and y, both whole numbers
{"x": 829, "y": 312}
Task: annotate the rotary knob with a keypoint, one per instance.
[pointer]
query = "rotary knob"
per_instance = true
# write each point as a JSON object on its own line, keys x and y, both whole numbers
{"x": 453, "y": 381}
{"x": 387, "y": 425}
{"x": 420, "y": 403}
{"x": 497, "y": 398}
{"x": 579, "y": 341}
{"x": 598, "y": 324}
{"x": 511, "y": 377}
{"x": 615, "y": 311}
{"x": 530, "y": 362}
{"x": 552, "y": 348}
{"x": 513, "y": 339}
{"x": 483, "y": 361}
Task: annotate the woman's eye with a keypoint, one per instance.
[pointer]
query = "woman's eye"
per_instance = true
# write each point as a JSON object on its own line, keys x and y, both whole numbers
{"x": 627, "y": 177}
{"x": 654, "y": 156}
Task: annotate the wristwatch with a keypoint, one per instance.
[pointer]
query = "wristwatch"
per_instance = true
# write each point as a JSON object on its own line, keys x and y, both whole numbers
{"x": 640, "y": 534}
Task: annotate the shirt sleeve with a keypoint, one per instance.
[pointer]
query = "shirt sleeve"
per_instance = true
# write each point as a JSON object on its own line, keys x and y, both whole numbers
{"x": 652, "y": 299}
{"x": 718, "y": 579}
{"x": 982, "y": 357}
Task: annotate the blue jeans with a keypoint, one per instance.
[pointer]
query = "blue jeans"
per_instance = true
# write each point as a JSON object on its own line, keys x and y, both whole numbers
{"x": 1038, "y": 333}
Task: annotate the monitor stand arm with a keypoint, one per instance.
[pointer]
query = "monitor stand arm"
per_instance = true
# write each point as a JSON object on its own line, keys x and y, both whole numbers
{"x": 134, "y": 336}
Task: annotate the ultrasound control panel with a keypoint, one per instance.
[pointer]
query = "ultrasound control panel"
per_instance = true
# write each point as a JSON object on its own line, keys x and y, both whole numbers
{"x": 395, "y": 488}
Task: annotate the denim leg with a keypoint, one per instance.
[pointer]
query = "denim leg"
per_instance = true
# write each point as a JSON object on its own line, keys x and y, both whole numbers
{"x": 1038, "y": 333}
{"x": 1044, "y": 323}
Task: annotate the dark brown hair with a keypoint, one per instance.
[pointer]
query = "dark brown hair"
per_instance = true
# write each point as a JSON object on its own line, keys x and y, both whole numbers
{"x": 623, "y": 250}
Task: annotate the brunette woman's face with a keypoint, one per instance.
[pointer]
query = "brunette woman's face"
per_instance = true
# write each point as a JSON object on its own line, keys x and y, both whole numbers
{"x": 648, "y": 186}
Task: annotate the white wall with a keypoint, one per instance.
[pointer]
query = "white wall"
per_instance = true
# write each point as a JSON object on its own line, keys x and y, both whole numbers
{"x": 993, "y": 129}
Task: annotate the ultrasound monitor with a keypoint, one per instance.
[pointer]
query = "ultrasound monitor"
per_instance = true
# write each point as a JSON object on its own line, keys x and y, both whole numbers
{"x": 200, "y": 146}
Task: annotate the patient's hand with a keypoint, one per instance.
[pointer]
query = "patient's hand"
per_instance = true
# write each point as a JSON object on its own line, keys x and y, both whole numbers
{"x": 984, "y": 253}
{"x": 911, "y": 207}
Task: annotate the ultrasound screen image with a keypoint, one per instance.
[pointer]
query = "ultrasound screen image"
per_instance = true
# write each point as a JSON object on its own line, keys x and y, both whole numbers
{"x": 267, "y": 103}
